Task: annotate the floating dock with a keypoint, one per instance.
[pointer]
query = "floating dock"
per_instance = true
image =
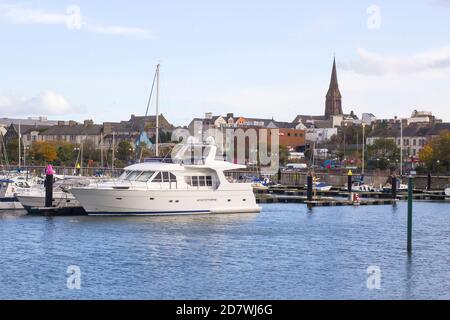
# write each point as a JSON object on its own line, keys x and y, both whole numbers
{"x": 336, "y": 197}
{"x": 321, "y": 201}
{"x": 57, "y": 211}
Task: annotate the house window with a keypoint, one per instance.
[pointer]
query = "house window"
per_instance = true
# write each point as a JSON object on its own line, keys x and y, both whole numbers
{"x": 414, "y": 142}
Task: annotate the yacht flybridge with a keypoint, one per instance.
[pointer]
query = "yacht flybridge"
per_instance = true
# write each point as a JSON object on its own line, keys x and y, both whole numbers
{"x": 187, "y": 184}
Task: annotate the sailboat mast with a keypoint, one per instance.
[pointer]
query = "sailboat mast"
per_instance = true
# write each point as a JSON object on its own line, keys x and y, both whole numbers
{"x": 19, "y": 146}
{"x": 101, "y": 149}
{"x": 113, "y": 148}
{"x": 157, "y": 111}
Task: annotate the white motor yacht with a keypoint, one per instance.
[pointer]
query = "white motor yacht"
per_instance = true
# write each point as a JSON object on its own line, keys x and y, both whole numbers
{"x": 186, "y": 184}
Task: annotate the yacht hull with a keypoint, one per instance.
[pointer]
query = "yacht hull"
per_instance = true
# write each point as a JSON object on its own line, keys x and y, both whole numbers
{"x": 10, "y": 203}
{"x": 30, "y": 202}
{"x": 165, "y": 202}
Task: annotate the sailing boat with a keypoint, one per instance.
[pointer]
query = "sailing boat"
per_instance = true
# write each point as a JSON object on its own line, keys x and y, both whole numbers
{"x": 141, "y": 137}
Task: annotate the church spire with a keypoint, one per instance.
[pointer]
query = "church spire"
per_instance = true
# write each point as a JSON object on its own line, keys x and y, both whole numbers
{"x": 333, "y": 104}
{"x": 334, "y": 81}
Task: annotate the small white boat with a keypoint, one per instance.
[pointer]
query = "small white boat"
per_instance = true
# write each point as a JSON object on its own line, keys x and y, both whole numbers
{"x": 9, "y": 187}
{"x": 7, "y": 199}
{"x": 359, "y": 186}
{"x": 447, "y": 192}
{"x": 321, "y": 186}
{"x": 400, "y": 187}
{"x": 34, "y": 198}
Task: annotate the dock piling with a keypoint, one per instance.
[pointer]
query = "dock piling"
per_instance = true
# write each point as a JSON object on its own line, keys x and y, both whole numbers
{"x": 349, "y": 181}
{"x": 49, "y": 186}
{"x": 410, "y": 204}
{"x": 309, "y": 188}
{"x": 394, "y": 186}
{"x": 429, "y": 181}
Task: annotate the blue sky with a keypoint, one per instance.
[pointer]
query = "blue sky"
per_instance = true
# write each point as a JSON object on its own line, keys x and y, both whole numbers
{"x": 253, "y": 58}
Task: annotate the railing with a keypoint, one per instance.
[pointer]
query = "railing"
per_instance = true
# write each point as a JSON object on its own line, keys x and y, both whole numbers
{"x": 61, "y": 170}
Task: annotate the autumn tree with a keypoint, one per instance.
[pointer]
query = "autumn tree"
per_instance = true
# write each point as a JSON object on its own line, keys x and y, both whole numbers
{"x": 436, "y": 153}
{"x": 43, "y": 151}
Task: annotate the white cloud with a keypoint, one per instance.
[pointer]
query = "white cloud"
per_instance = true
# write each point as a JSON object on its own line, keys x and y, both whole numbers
{"x": 375, "y": 64}
{"x": 72, "y": 19}
{"x": 47, "y": 102}
{"x": 120, "y": 31}
{"x": 18, "y": 14}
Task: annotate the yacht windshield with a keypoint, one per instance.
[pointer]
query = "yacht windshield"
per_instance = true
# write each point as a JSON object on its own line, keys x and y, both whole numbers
{"x": 133, "y": 175}
{"x": 124, "y": 175}
{"x": 145, "y": 176}
{"x": 141, "y": 176}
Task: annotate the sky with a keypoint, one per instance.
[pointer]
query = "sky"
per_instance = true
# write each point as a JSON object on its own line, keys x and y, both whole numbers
{"x": 96, "y": 59}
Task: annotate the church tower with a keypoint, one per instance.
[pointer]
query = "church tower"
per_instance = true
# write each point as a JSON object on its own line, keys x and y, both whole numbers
{"x": 333, "y": 103}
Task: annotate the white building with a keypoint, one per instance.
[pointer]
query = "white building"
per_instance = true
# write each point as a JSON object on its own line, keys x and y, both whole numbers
{"x": 319, "y": 135}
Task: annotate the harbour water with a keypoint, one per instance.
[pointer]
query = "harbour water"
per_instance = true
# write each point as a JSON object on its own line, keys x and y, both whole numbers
{"x": 284, "y": 252}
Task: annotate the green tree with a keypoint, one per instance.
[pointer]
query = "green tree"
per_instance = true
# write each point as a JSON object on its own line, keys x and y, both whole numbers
{"x": 65, "y": 152}
{"x": 90, "y": 152}
{"x": 124, "y": 150}
{"x": 283, "y": 155}
{"x": 383, "y": 149}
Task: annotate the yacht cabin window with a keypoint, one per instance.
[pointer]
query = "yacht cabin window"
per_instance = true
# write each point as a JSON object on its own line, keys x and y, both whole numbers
{"x": 199, "y": 181}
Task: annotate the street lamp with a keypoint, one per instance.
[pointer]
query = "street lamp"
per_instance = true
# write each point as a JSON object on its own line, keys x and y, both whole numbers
{"x": 345, "y": 131}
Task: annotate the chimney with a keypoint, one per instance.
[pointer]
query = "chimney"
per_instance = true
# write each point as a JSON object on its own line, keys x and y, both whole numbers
{"x": 88, "y": 123}
{"x": 61, "y": 123}
{"x": 72, "y": 123}
{"x": 208, "y": 115}
{"x": 107, "y": 128}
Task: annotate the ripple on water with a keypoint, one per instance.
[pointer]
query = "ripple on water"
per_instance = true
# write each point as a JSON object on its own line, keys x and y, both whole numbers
{"x": 285, "y": 252}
